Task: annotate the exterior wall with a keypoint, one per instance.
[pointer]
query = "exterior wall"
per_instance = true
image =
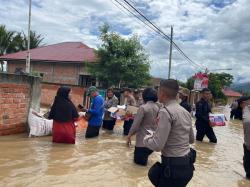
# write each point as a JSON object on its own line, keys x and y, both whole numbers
{"x": 231, "y": 99}
{"x": 66, "y": 73}
{"x": 17, "y": 94}
{"x": 53, "y": 72}
{"x": 49, "y": 93}
{"x": 12, "y": 65}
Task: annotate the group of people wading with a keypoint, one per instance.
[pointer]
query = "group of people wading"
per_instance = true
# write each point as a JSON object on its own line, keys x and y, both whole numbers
{"x": 161, "y": 124}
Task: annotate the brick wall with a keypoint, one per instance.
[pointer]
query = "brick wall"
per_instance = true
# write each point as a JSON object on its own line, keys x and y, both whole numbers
{"x": 53, "y": 72}
{"x": 49, "y": 93}
{"x": 12, "y": 65}
{"x": 14, "y": 104}
{"x": 17, "y": 94}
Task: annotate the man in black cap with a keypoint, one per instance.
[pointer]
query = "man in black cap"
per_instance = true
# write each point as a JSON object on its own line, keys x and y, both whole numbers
{"x": 244, "y": 103}
{"x": 202, "y": 123}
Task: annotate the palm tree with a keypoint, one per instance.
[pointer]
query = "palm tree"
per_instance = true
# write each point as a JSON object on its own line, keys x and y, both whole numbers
{"x": 35, "y": 40}
{"x": 11, "y": 41}
{"x": 5, "y": 41}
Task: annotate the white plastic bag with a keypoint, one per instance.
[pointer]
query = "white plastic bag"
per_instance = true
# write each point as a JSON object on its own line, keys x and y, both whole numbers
{"x": 39, "y": 126}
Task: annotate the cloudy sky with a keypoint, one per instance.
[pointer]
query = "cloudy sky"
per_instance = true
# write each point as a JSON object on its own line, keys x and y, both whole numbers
{"x": 213, "y": 33}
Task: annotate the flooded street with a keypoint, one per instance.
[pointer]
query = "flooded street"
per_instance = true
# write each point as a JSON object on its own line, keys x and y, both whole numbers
{"x": 106, "y": 161}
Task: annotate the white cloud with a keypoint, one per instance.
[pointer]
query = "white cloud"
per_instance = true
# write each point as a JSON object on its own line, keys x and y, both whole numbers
{"x": 211, "y": 32}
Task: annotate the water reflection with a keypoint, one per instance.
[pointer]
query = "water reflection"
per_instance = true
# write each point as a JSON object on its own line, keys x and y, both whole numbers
{"x": 106, "y": 161}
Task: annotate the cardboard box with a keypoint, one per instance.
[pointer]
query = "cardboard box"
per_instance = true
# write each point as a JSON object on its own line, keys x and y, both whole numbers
{"x": 217, "y": 119}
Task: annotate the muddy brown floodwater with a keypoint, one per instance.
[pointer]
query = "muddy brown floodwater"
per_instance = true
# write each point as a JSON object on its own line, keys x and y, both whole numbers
{"x": 107, "y": 162}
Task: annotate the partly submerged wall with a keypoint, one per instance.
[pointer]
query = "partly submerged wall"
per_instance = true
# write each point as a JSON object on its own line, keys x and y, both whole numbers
{"x": 17, "y": 94}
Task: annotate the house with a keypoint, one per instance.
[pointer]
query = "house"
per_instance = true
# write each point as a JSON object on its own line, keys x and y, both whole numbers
{"x": 58, "y": 64}
{"x": 231, "y": 95}
{"x": 63, "y": 63}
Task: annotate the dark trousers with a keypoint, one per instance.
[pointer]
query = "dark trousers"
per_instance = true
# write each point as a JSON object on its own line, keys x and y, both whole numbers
{"x": 108, "y": 124}
{"x": 169, "y": 182}
{"x": 246, "y": 161}
{"x": 92, "y": 131}
{"x": 126, "y": 127}
{"x": 173, "y": 171}
{"x": 141, "y": 155}
{"x": 205, "y": 129}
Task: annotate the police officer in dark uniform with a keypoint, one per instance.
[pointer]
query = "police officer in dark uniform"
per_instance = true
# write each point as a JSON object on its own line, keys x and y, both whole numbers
{"x": 202, "y": 123}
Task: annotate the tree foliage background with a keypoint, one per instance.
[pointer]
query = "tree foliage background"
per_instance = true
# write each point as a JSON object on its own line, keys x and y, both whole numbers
{"x": 217, "y": 81}
{"x": 12, "y": 41}
{"x": 121, "y": 61}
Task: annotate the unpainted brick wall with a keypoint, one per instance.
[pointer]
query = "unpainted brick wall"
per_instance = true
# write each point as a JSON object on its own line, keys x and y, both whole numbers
{"x": 14, "y": 105}
{"x": 49, "y": 93}
{"x": 53, "y": 72}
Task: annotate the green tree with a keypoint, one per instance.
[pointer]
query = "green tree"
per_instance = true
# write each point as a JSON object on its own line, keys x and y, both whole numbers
{"x": 121, "y": 62}
{"x": 217, "y": 81}
{"x": 11, "y": 41}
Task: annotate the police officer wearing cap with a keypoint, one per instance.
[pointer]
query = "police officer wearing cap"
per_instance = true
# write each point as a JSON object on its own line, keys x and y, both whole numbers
{"x": 173, "y": 137}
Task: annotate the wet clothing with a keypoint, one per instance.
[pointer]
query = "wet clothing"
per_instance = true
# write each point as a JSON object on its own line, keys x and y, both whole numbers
{"x": 177, "y": 171}
{"x": 202, "y": 122}
{"x": 96, "y": 110}
{"x": 92, "y": 131}
{"x": 64, "y": 132}
{"x": 108, "y": 121}
{"x": 126, "y": 126}
{"x": 145, "y": 119}
{"x": 141, "y": 155}
{"x": 64, "y": 114}
{"x": 186, "y": 105}
{"x": 246, "y": 145}
{"x": 108, "y": 124}
{"x": 172, "y": 137}
{"x": 236, "y": 113}
{"x": 129, "y": 101}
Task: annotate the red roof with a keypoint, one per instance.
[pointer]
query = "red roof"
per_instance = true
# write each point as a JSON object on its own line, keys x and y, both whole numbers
{"x": 64, "y": 52}
{"x": 231, "y": 93}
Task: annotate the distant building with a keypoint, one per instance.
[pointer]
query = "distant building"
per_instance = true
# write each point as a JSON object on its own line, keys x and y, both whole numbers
{"x": 231, "y": 95}
{"x": 63, "y": 63}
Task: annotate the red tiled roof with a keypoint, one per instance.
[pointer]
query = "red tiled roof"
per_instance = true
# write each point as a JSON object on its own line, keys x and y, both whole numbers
{"x": 231, "y": 93}
{"x": 64, "y": 52}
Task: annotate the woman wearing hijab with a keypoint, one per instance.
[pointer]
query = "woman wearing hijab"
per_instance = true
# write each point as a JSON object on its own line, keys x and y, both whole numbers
{"x": 64, "y": 114}
{"x": 144, "y": 122}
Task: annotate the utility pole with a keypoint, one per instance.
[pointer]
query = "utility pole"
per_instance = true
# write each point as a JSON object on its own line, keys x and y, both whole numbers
{"x": 28, "y": 49}
{"x": 170, "y": 52}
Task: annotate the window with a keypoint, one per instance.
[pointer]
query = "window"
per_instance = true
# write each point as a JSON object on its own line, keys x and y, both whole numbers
{"x": 86, "y": 81}
{"x": 19, "y": 71}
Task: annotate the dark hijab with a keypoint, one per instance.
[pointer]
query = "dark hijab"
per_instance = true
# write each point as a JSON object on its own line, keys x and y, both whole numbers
{"x": 63, "y": 110}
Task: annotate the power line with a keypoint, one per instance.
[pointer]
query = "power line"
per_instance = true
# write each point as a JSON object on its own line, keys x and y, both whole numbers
{"x": 165, "y": 35}
{"x": 148, "y": 26}
{"x": 145, "y": 24}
